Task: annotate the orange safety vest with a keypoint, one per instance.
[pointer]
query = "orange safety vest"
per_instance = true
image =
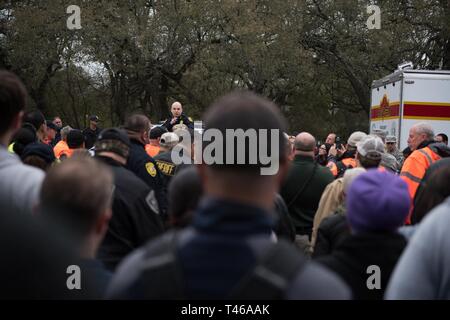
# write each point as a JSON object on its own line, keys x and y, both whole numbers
{"x": 414, "y": 169}
{"x": 59, "y": 148}
{"x": 415, "y": 166}
{"x": 152, "y": 150}
{"x": 347, "y": 162}
{"x": 68, "y": 153}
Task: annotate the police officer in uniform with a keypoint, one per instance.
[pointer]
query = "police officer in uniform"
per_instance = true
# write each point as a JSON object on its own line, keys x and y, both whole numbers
{"x": 178, "y": 117}
{"x": 135, "y": 217}
{"x": 140, "y": 163}
{"x": 91, "y": 133}
{"x": 164, "y": 159}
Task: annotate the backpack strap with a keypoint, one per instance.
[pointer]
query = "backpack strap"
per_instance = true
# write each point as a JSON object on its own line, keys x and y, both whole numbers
{"x": 272, "y": 274}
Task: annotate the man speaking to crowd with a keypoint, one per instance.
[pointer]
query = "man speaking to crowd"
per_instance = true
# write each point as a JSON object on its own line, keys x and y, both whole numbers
{"x": 178, "y": 117}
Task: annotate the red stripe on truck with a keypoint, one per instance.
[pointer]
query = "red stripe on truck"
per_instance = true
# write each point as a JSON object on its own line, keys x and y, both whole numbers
{"x": 426, "y": 110}
{"x": 380, "y": 113}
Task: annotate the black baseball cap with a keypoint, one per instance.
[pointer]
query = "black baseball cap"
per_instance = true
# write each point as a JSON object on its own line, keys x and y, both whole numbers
{"x": 114, "y": 134}
{"x": 113, "y": 140}
{"x": 41, "y": 150}
{"x": 94, "y": 118}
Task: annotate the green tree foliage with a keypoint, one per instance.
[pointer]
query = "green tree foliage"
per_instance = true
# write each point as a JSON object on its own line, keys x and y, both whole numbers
{"x": 315, "y": 58}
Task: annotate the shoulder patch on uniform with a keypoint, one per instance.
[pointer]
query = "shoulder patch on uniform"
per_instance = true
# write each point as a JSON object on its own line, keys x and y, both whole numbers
{"x": 152, "y": 202}
{"x": 150, "y": 167}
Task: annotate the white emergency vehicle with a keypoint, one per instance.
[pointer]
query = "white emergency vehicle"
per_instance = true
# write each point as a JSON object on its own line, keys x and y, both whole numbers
{"x": 408, "y": 96}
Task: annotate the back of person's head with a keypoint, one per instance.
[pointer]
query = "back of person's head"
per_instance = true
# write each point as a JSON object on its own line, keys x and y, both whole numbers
{"x": 169, "y": 140}
{"x": 377, "y": 202}
{"x": 157, "y": 132}
{"x": 380, "y": 134}
{"x": 35, "y": 118}
{"x": 354, "y": 139}
{"x": 13, "y": 97}
{"x": 138, "y": 128}
{"x": 75, "y": 139}
{"x": 304, "y": 143}
{"x": 244, "y": 112}
{"x": 137, "y": 123}
{"x": 113, "y": 140}
{"x": 65, "y": 131}
{"x": 185, "y": 191}
{"x": 38, "y": 155}
{"x": 389, "y": 162}
{"x": 349, "y": 176}
{"x": 23, "y": 137}
{"x": 434, "y": 189}
{"x": 75, "y": 194}
{"x": 370, "y": 151}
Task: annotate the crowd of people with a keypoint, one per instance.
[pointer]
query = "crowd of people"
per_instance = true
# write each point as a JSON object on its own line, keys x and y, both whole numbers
{"x": 138, "y": 225}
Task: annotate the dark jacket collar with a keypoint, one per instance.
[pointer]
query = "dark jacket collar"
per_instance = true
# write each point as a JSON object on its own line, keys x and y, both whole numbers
{"x": 440, "y": 148}
{"x": 109, "y": 161}
{"x": 136, "y": 142}
{"x": 365, "y": 243}
{"x": 425, "y": 144}
{"x": 301, "y": 158}
{"x": 228, "y": 217}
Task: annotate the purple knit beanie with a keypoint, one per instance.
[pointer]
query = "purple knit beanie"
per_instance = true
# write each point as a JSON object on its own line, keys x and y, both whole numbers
{"x": 377, "y": 201}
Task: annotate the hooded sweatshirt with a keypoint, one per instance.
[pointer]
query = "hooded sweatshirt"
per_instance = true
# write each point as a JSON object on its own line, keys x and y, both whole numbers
{"x": 19, "y": 184}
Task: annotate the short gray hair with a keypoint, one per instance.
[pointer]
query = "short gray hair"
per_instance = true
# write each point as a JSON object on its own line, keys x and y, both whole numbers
{"x": 424, "y": 128}
{"x": 65, "y": 131}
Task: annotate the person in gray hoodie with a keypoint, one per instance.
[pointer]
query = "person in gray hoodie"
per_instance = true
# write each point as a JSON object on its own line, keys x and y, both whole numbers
{"x": 19, "y": 183}
{"x": 422, "y": 273}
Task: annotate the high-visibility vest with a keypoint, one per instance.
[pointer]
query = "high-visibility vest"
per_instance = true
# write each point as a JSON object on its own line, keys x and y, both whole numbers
{"x": 152, "y": 151}
{"x": 414, "y": 169}
{"x": 11, "y": 148}
{"x": 67, "y": 152}
{"x": 345, "y": 163}
{"x": 60, "y": 147}
{"x": 415, "y": 166}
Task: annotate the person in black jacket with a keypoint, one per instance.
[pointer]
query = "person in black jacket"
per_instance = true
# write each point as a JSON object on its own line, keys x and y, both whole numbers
{"x": 164, "y": 159}
{"x": 135, "y": 217}
{"x": 377, "y": 205}
{"x": 140, "y": 163}
{"x": 332, "y": 231}
{"x": 91, "y": 133}
{"x": 178, "y": 117}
